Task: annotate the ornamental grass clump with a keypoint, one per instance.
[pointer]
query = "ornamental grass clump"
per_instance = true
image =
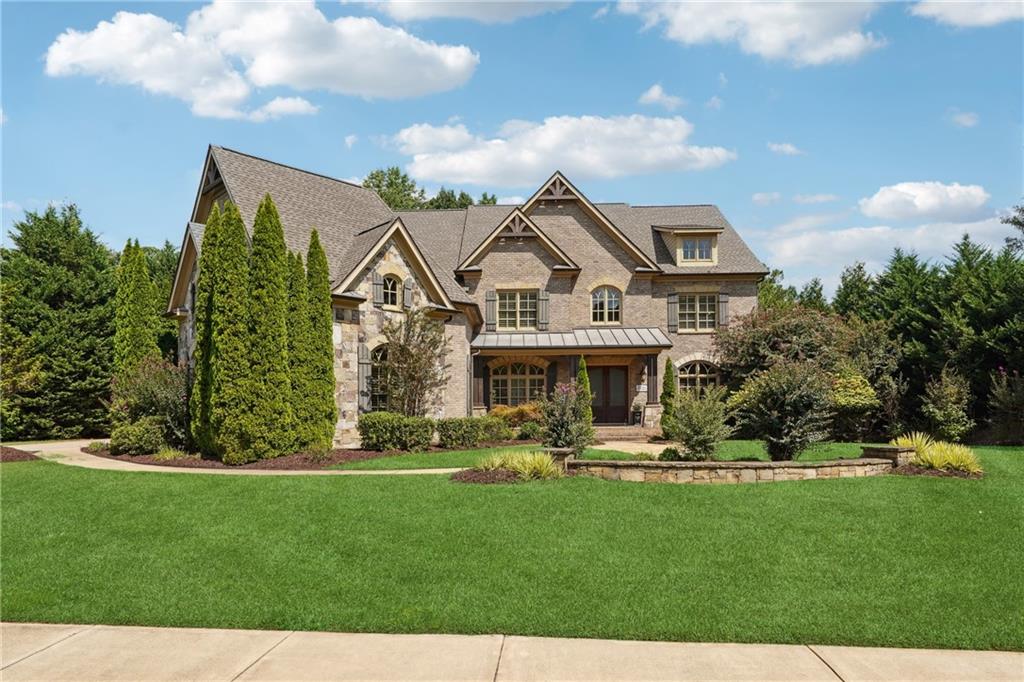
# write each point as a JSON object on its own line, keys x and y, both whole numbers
{"x": 527, "y": 466}
{"x": 918, "y": 440}
{"x": 944, "y": 456}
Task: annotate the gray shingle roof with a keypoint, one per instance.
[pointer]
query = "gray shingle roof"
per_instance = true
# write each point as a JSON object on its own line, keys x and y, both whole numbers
{"x": 619, "y": 337}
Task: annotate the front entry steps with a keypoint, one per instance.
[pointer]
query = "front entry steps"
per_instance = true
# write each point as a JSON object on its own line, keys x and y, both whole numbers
{"x": 607, "y": 433}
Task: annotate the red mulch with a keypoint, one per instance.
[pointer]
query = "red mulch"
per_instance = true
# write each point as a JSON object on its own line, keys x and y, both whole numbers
{"x": 492, "y": 476}
{"x": 915, "y": 470}
{"x": 8, "y": 454}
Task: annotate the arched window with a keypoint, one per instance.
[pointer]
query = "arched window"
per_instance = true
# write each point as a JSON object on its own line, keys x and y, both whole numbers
{"x": 378, "y": 379}
{"x": 392, "y": 290}
{"x": 516, "y": 383}
{"x": 606, "y": 306}
{"x": 698, "y": 375}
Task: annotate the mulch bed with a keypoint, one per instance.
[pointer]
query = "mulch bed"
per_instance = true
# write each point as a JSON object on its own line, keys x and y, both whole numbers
{"x": 492, "y": 476}
{"x": 299, "y": 461}
{"x": 915, "y": 470}
{"x": 8, "y": 454}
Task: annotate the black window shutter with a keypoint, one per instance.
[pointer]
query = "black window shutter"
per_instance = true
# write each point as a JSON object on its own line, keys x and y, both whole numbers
{"x": 552, "y": 377}
{"x": 364, "y": 378}
{"x": 378, "y": 289}
{"x": 723, "y": 310}
{"x": 542, "y": 310}
{"x": 407, "y": 292}
{"x": 673, "y": 312}
{"x": 491, "y": 311}
{"x": 652, "y": 379}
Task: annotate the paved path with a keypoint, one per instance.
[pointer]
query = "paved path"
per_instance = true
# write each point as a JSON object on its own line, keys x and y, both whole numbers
{"x": 70, "y": 452}
{"x": 632, "y": 446}
{"x": 100, "y": 652}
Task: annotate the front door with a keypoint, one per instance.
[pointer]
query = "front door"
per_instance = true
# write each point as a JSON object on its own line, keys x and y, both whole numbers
{"x": 608, "y": 384}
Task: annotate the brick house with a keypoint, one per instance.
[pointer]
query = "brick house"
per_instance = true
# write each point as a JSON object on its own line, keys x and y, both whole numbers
{"x": 522, "y": 291}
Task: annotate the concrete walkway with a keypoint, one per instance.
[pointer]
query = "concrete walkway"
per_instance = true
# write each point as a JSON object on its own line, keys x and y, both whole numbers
{"x": 70, "y": 452}
{"x": 99, "y": 652}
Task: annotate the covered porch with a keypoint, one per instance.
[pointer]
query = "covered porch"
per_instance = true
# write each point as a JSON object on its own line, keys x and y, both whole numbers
{"x": 515, "y": 368}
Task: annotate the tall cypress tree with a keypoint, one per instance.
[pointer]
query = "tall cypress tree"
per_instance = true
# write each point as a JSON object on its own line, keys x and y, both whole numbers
{"x": 202, "y": 351}
{"x": 135, "y": 320}
{"x": 230, "y": 396}
{"x": 300, "y": 354}
{"x": 270, "y": 423}
{"x": 669, "y": 425}
{"x": 321, "y": 380}
{"x": 586, "y": 395}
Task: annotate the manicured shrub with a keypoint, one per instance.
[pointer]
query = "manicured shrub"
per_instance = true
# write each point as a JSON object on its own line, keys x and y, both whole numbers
{"x": 458, "y": 432}
{"x": 853, "y": 399}
{"x": 948, "y": 457}
{"x": 788, "y": 406}
{"x": 389, "y": 431}
{"x": 530, "y": 431}
{"x": 700, "y": 421}
{"x": 143, "y": 437}
{"x": 493, "y": 430}
{"x": 166, "y": 454}
{"x": 671, "y": 455}
{"x": 564, "y": 423}
{"x": 517, "y": 415}
{"x": 644, "y": 456}
{"x": 668, "y": 402}
{"x": 97, "y": 446}
{"x": 154, "y": 388}
{"x": 1006, "y": 404}
{"x": 586, "y": 396}
{"x": 945, "y": 405}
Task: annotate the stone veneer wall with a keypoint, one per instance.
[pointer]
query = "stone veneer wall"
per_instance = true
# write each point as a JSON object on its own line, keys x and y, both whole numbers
{"x": 728, "y": 472}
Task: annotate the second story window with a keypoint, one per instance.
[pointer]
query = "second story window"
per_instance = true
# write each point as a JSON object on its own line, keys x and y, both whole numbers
{"x": 517, "y": 309}
{"x": 392, "y": 290}
{"x": 698, "y": 312}
{"x": 695, "y": 249}
{"x": 606, "y": 306}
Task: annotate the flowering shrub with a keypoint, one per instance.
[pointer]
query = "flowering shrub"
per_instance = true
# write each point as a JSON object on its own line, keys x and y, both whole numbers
{"x": 565, "y": 424}
{"x": 156, "y": 388}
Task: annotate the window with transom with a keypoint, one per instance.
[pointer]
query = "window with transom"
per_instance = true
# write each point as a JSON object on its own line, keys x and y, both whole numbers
{"x": 378, "y": 379}
{"x": 698, "y": 312}
{"x": 392, "y": 290}
{"x": 517, "y": 309}
{"x": 698, "y": 375}
{"x": 606, "y": 306}
{"x": 516, "y": 383}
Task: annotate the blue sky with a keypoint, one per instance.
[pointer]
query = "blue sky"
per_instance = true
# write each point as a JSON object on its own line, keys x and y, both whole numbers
{"x": 826, "y": 133}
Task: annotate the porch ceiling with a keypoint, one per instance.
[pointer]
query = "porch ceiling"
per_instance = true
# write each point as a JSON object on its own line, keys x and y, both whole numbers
{"x": 605, "y": 338}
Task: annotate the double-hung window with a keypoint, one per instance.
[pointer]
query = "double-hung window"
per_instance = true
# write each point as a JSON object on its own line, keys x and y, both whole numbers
{"x": 698, "y": 312}
{"x": 517, "y": 309}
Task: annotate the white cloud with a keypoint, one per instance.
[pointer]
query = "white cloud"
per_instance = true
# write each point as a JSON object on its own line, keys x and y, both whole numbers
{"x": 350, "y": 141}
{"x": 784, "y": 148}
{"x": 283, "y": 106}
{"x": 970, "y": 14}
{"x": 809, "y": 222}
{"x": 228, "y": 49}
{"x": 483, "y": 11}
{"x": 800, "y": 33}
{"x": 925, "y": 200}
{"x": 523, "y": 153}
{"x": 814, "y": 198}
{"x": 715, "y": 102}
{"x": 765, "y": 198}
{"x": 601, "y": 11}
{"x": 657, "y": 95}
{"x": 514, "y": 199}
{"x": 11, "y": 206}
{"x": 964, "y": 119}
{"x": 722, "y": 80}
{"x": 423, "y": 138}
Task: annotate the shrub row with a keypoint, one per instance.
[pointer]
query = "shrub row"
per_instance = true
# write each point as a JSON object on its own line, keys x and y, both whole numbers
{"x": 390, "y": 431}
{"x": 469, "y": 432}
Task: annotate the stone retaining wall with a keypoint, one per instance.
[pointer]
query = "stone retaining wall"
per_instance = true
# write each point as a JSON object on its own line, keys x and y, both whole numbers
{"x": 728, "y": 472}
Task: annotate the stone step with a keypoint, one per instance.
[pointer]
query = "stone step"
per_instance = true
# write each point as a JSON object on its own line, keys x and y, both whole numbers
{"x": 627, "y": 433}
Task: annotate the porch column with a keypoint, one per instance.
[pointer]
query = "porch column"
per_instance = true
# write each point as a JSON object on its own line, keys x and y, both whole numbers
{"x": 652, "y": 379}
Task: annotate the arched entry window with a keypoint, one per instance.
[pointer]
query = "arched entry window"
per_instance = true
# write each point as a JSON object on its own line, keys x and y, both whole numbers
{"x": 516, "y": 383}
{"x": 378, "y": 379}
{"x": 606, "y": 306}
{"x": 699, "y": 375}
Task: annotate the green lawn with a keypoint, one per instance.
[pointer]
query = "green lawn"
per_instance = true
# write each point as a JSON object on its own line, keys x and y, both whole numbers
{"x": 888, "y": 561}
{"x": 743, "y": 449}
{"x": 450, "y": 459}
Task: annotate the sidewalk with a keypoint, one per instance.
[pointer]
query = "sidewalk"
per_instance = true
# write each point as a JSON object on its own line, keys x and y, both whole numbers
{"x": 70, "y": 452}
{"x": 99, "y": 652}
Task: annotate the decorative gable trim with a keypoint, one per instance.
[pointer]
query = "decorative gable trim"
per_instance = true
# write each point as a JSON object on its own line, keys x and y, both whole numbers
{"x": 558, "y": 188}
{"x": 518, "y": 224}
{"x": 187, "y": 258}
{"x": 400, "y": 233}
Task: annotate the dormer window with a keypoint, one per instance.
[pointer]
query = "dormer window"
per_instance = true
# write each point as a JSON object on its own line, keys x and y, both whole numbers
{"x": 696, "y": 249}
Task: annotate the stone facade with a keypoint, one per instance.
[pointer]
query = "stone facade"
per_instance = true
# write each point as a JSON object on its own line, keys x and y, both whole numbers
{"x": 728, "y": 472}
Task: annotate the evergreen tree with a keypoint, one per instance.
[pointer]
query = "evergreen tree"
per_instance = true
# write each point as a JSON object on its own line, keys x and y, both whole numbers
{"x": 446, "y": 198}
{"x": 135, "y": 319}
{"x": 270, "y": 423}
{"x": 58, "y": 290}
{"x": 397, "y": 189}
{"x": 669, "y": 426}
{"x": 163, "y": 265}
{"x": 1016, "y": 221}
{"x": 488, "y": 199}
{"x": 300, "y": 356}
{"x": 771, "y": 293}
{"x": 812, "y": 295}
{"x": 202, "y": 350}
{"x": 853, "y": 296}
{"x": 586, "y": 395}
{"x": 231, "y": 398}
{"x": 321, "y": 378}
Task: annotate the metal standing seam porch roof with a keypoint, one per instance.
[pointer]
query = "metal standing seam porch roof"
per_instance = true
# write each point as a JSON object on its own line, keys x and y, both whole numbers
{"x": 605, "y": 338}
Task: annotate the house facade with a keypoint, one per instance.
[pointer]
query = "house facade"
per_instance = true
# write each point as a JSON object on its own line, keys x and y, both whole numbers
{"x": 522, "y": 291}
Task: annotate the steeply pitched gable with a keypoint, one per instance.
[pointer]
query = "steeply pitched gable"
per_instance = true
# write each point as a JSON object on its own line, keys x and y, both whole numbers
{"x": 517, "y": 224}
